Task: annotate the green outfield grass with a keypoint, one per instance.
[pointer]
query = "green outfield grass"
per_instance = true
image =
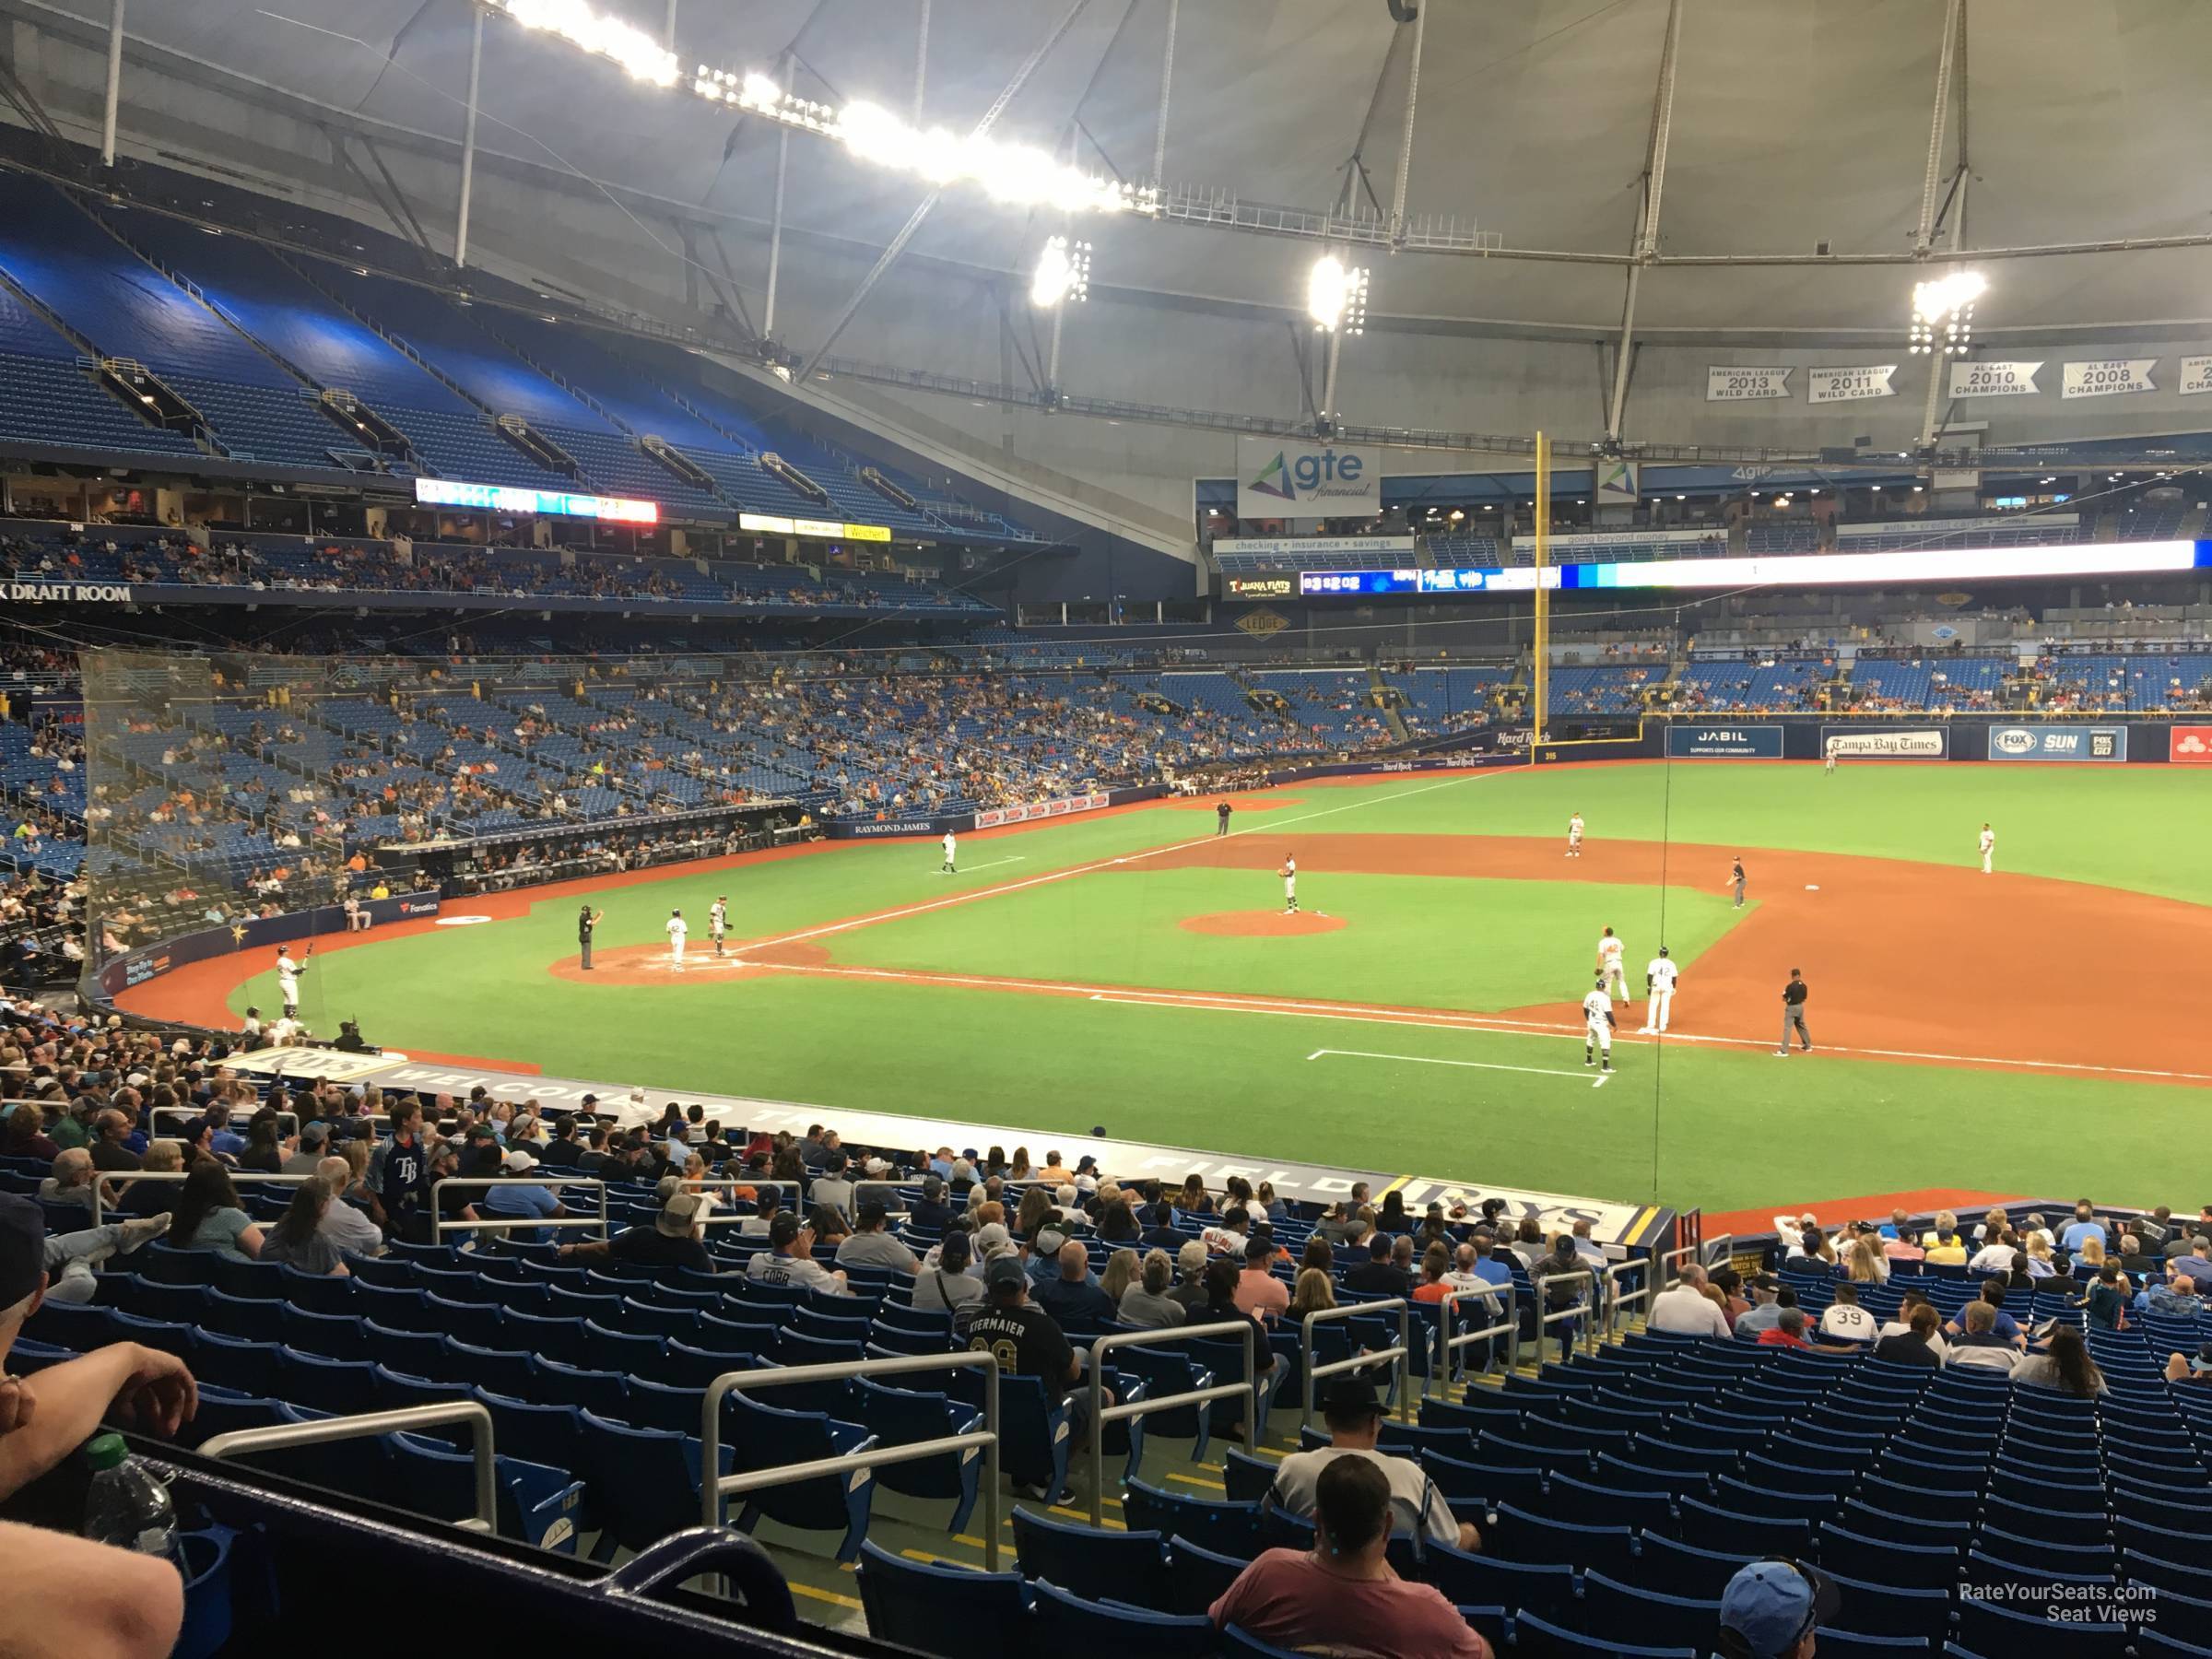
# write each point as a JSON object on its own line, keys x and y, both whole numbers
{"x": 1720, "y": 1128}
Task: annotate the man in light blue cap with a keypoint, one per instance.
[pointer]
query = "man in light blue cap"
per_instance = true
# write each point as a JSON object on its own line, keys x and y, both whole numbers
{"x": 1771, "y": 1608}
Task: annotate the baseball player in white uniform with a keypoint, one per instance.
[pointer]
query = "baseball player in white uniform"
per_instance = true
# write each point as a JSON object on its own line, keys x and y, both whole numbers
{"x": 1609, "y": 972}
{"x": 1574, "y": 836}
{"x": 1289, "y": 876}
{"x": 288, "y": 981}
{"x": 1831, "y": 758}
{"x": 952, "y": 847}
{"x": 1659, "y": 975}
{"x": 678, "y": 930}
{"x": 718, "y": 922}
{"x": 1989, "y": 847}
{"x": 1597, "y": 1037}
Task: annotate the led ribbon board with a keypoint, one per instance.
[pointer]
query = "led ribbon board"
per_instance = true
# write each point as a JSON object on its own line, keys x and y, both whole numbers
{"x": 1790, "y": 570}
{"x": 499, "y": 497}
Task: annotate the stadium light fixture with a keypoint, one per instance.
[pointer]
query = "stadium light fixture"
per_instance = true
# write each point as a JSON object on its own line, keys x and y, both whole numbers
{"x": 1336, "y": 295}
{"x": 638, "y": 52}
{"x": 1943, "y": 312}
{"x": 1062, "y": 273}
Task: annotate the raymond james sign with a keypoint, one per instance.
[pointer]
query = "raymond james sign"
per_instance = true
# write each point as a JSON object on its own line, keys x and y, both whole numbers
{"x": 69, "y": 592}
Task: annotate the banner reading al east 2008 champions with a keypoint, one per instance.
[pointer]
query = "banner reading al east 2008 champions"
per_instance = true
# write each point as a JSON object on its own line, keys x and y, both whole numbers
{"x": 1281, "y": 479}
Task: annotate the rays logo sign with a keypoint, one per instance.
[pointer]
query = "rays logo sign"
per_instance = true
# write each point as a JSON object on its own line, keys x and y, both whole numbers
{"x": 1307, "y": 480}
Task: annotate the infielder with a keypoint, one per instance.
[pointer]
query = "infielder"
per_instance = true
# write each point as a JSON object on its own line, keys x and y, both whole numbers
{"x": 1609, "y": 974}
{"x": 1659, "y": 976}
{"x": 718, "y": 922}
{"x": 1735, "y": 880}
{"x": 952, "y": 848}
{"x": 1597, "y": 1038}
{"x": 678, "y": 930}
{"x": 1289, "y": 875}
{"x": 1989, "y": 846}
{"x": 288, "y": 981}
{"x": 1574, "y": 836}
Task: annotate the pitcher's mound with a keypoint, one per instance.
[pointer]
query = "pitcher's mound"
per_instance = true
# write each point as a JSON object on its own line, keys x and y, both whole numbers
{"x": 649, "y": 964}
{"x": 1262, "y": 924}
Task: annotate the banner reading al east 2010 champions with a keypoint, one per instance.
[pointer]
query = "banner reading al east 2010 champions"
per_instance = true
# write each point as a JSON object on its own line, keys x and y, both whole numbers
{"x": 1277, "y": 479}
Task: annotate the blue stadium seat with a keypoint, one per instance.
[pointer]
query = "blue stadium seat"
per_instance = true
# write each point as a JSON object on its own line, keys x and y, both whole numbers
{"x": 1546, "y": 1588}
{"x": 1519, "y": 1536}
{"x": 950, "y": 1612}
{"x": 1624, "y": 1613}
{"x": 766, "y": 1436}
{"x": 1986, "y": 1628}
{"x": 645, "y": 1481}
{"x": 604, "y": 1391}
{"x": 1198, "y": 1577}
{"x": 1232, "y": 1527}
{"x": 1541, "y": 1640}
{"x": 1066, "y": 1623}
{"x": 1095, "y": 1561}
{"x": 537, "y": 1504}
{"x": 231, "y": 1362}
{"x": 900, "y": 1417}
{"x": 335, "y": 1336}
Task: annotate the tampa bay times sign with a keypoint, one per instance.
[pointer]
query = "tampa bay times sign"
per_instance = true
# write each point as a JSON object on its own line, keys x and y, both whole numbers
{"x": 68, "y": 592}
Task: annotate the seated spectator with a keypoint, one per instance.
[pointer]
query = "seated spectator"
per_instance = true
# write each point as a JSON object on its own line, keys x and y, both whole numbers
{"x": 1315, "y": 1291}
{"x": 832, "y": 1187}
{"x": 2084, "y": 1225}
{"x": 1919, "y": 1342}
{"x": 563, "y": 1152}
{"x": 1258, "y": 1290}
{"x": 950, "y": 1281}
{"x": 1844, "y": 1321}
{"x": 1381, "y": 1275}
{"x": 1192, "y": 1200}
{"x": 1979, "y": 1344}
{"x": 1867, "y": 1263}
{"x": 1995, "y": 1256}
{"x": 1337, "y": 1225}
{"x": 1190, "y": 1293}
{"x": 207, "y": 1215}
{"x": 1684, "y": 1310}
{"x": 2180, "y": 1367}
{"x": 670, "y": 1241}
{"x": 1124, "y": 1268}
{"x": 930, "y": 1212}
{"x": 2065, "y": 1365}
{"x": 512, "y": 1198}
{"x": 1789, "y": 1331}
{"x": 1771, "y": 1610}
{"x": 111, "y": 1141}
{"x": 266, "y": 1150}
{"x": 872, "y": 1245}
{"x": 1354, "y": 1413}
{"x": 1941, "y": 1245}
{"x": 2106, "y": 1301}
{"x": 828, "y": 1223}
{"x": 756, "y": 1225}
{"x": 1146, "y": 1302}
{"x": 298, "y": 1236}
{"x": 789, "y": 1260}
{"x": 2177, "y": 1299}
{"x": 155, "y": 1197}
{"x": 2135, "y": 1260}
{"x": 1809, "y": 1243}
{"x": 1343, "y": 1596}
{"x": 1027, "y": 1343}
{"x": 1993, "y": 1293}
{"x": 71, "y": 1181}
{"x": 1072, "y": 1297}
{"x": 1767, "y": 1292}
{"x": 25, "y": 1134}
{"x": 315, "y": 1145}
{"x": 1228, "y": 1236}
{"x": 1896, "y": 1227}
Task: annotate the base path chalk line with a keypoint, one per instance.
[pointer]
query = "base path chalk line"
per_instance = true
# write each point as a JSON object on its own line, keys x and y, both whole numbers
{"x": 1105, "y": 863}
{"x": 1017, "y": 858}
{"x": 1534, "y": 1071}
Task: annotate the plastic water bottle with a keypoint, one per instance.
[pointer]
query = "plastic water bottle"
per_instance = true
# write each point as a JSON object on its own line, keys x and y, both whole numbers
{"x": 128, "y": 1505}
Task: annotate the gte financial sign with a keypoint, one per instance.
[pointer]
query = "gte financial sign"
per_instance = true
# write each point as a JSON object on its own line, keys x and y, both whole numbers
{"x": 1307, "y": 480}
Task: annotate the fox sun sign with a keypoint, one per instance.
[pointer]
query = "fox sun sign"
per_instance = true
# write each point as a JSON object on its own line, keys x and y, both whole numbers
{"x": 1306, "y": 480}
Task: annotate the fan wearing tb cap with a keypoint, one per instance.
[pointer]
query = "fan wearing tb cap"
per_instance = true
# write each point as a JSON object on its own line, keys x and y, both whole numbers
{"x": 1771, "y": 1610}
{"x": 1354, "y": 1413}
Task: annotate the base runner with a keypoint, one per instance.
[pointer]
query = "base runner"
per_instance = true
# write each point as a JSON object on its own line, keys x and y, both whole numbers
{"x": 1610, "y": 974}
{"x": 1659, "y": 976}
{"x": 1597, "y": 1020}
{"x": 1289, "y": 875}
{"x": 718, "y": 922}
{"x": 678, "y": 930}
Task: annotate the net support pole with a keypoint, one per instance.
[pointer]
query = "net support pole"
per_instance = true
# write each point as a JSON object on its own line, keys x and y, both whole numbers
{"x": 468, "y": 142}
{"x": 113, "y": 99}
{"x": 1543, "y": 633}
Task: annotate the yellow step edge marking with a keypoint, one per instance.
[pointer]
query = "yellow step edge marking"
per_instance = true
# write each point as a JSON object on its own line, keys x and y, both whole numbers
{"x": 831, "y": 1597}
{"x": 1084, "y": 1516}
{"x": 931, "y": 1560}
{"x": 1214, "y": 1486}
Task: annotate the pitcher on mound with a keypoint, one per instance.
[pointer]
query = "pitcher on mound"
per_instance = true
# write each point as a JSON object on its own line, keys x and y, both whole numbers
{"x": 1289, "y": 875}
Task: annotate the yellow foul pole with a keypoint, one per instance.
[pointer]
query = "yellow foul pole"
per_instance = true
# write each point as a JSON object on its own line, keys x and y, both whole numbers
{"x": 1543, "y": 640}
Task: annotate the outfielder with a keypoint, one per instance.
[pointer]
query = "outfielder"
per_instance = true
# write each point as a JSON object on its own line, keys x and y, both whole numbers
{"x": 1735, "y": 880}
{"x": 1609, "y": 974}
{"x": 1574, "y": 836}
{"x": 952, "y": 848}
{"x": 287, "y": 981}
{"x": 1659, "y": 976}
{"x": 718, "y": 922}
{"x": 1597, "y": 1037}
{"x": 678, "y": 930}
{"x": 1831, "y": 758}
{"x": 1289, "y": 875}
{"x": 1989, "y": 847}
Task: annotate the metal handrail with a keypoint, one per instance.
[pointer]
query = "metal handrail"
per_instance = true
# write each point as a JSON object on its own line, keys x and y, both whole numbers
{"x": 440, "y": 1226}
{"x": 125, "y": 1178}
{"x": 1103, "y": 1414}
{"x": 1614, "y": 1299}
{"x": 1668, "y": 1257}
{"x": 283, "y": 1436}
{"x": 1541, "y": 1291}
{"x": 1404, "y": 1351}
{"x": 713, "y": 1487}
{"x": 1509, "y": 1326}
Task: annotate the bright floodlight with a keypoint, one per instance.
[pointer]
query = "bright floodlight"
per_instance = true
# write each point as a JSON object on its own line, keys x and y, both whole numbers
{"x": 573, "y": 20}
{"x": 1062, "y": 273}
{"x": 1943, "y": 312}
{"x": 1337, "y": 295}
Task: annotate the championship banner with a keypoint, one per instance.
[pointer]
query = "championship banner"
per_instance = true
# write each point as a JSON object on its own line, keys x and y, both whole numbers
{"x": 1858, "y": 743}
{"x": 1995, "y": 379}
{"x": 1849, "y": 386}
{"x": 1616, "y": 482}
{"x": 2196, "y": 377}
{"x": 1729, "y": 383}
{"x": 2058, "y": 742}
{"x": 1723, "y": 743}
{"x": 2192, "y": 745}
{"x": 1276, "y": 480}
{"x": 995, "y": 816}
{"x": 2111, "y": 377}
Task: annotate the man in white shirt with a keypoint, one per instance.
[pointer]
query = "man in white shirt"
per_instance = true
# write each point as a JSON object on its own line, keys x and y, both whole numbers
{"x": 1609, "y": 972}
{"x": 789, "y": 1260}
{"x": 1994, "y": 1256}
{"x": 1844, "y": 1319}
{"x": 678, "y": 930}
{"x": 1659, "y": 976}
{"x": 1354, "y": 1413}
{"x": 1684, "y": 1309}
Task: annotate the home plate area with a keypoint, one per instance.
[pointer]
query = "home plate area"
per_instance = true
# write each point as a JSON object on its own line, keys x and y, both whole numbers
{"x": 650, "y": 964}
